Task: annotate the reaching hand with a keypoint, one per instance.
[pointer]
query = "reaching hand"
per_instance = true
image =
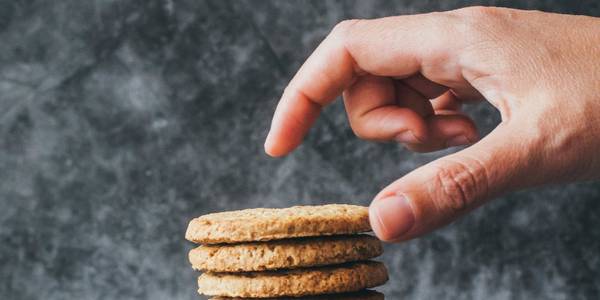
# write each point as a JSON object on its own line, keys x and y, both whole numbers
{"x": 404, "y": 78}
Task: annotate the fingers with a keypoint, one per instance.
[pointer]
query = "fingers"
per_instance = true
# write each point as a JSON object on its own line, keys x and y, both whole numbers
{"x": 382, "y": 109}
{"x": 447, "y": 127}
{"x": 391, "y": 47}
{"x": 445, "y": 131}
{"x": 408, "y": 97}
{"x": 441, "y": 191}
{"x": 375, "y": 114}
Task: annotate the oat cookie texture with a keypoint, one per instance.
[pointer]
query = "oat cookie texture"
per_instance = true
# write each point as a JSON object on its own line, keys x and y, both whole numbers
{"x": 264, "y": 224}
{"x": 348, "y": 277}
{"x": 285, "y": 254}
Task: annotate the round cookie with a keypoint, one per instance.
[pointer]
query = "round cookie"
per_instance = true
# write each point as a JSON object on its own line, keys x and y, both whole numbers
{"x": 264, "y": 224}
{"x": 362, "y": 295}
{"x": 349, "y": 277}
{"x": 285, "y": 254}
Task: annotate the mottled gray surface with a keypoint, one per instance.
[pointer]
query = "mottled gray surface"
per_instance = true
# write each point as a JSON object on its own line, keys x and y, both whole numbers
{"x": 122, "y": 120}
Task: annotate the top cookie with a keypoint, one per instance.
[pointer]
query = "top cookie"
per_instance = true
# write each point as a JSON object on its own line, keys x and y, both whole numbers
{"x": 264, "y": 224}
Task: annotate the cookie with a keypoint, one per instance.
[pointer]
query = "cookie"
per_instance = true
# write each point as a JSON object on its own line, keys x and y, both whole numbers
{"x": 285, "y": 254}
{"x": 362, "y": 295}
{"x": 264, "y": 224}
{"x": 349, "y": 277}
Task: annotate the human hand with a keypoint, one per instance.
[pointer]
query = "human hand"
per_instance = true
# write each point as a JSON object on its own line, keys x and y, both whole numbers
{"x": 540, "y": 70}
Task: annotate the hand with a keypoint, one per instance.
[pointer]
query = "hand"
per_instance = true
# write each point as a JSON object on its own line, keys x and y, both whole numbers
{"x": 404, "y": 78}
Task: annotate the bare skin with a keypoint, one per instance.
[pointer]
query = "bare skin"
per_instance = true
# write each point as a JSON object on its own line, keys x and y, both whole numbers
{"x": 405, "y": 78}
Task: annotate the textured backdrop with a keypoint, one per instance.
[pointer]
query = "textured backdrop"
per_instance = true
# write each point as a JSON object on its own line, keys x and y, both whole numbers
{"x": 122, "y": 120}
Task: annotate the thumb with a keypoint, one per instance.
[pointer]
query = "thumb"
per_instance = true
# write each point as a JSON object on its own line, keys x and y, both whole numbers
{"x": 441, "y": 191}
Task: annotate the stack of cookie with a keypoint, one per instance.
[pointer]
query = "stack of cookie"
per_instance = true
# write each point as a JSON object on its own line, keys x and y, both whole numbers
{"x": 290, "y": 252}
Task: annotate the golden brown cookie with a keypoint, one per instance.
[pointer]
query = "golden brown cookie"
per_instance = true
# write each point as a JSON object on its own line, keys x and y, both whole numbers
{"x": 349, "y": 277}
{"x": 263, "y": 224}
{"x": 362, "y": 295}
{"x": 285, "y": 254}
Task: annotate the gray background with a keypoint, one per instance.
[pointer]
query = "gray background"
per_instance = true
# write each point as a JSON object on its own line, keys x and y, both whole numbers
{"x": 122, "y": 120}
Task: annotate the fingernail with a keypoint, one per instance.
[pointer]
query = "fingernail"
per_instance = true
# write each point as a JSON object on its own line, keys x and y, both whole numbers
{"x": 391, "y": 217}
{"x": 457, "y": 141}
{"x": 407, "y": 137}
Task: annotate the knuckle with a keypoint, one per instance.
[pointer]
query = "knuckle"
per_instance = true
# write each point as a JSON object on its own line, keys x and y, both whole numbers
{"x": 460, "y": 184}
{"x": 360, "y": 130}
{"x": 289, "y": 90}
{"x": 482, "y": 29}
{"x": 479, "y": 21}
{"x": 344, "y": 26}
{"x": 441, "y": 21}
{"x": 292, "y": 90}
{"x": 482, "y": 13}
{"x": 363, "y": 129}
{"x": 343, "y": 29}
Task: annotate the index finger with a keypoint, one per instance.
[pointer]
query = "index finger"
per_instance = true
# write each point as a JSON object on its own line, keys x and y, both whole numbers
{"x": 324, "y": 75}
